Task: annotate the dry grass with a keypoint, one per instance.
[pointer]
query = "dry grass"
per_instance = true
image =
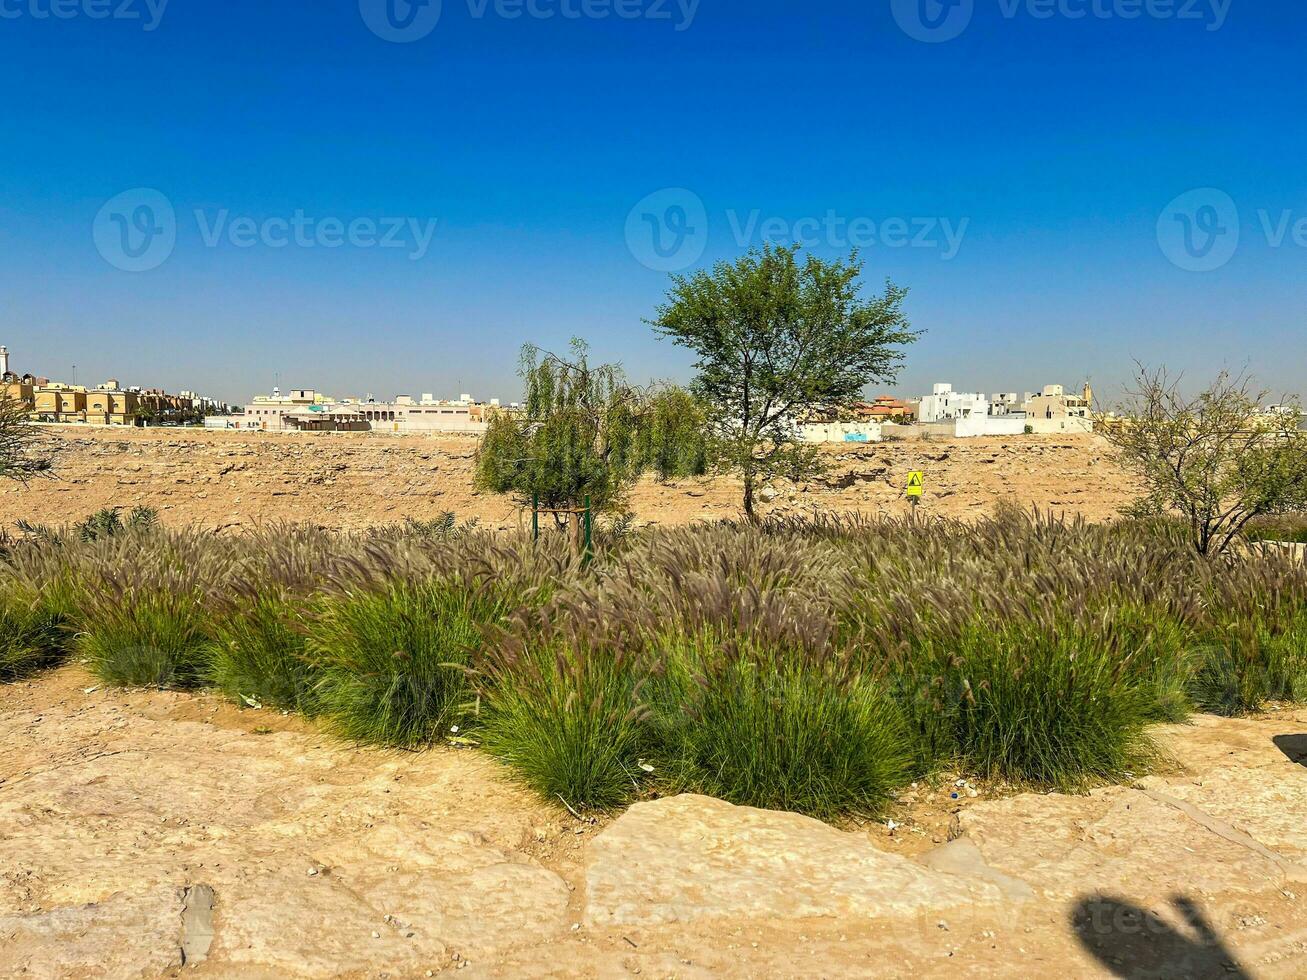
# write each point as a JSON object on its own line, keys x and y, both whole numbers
{"x": 809, "y": 665}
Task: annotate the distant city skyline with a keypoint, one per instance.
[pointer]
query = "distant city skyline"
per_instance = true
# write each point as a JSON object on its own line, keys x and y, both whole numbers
{"x": 221, "y": 198}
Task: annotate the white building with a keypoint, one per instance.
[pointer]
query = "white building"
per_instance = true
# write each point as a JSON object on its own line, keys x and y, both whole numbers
{"x": 1005, "y": 403}
{"x": 945, "y": 405}
{"x": 306, "y": 410}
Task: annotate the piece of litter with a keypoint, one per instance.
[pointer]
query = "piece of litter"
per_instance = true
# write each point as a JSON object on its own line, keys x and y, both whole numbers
{"x": 891, "y": 826}
{"x": 90, "y": 690}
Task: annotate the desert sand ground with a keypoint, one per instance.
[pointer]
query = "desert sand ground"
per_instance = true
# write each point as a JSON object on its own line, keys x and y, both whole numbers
{"x": 143, "y": 830}
{"x": 238, "y": 479}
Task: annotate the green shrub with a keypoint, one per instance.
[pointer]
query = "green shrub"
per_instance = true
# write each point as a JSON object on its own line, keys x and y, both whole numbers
{"x": 31, "y": 637}
{"x": 569, "y": 724}
{"x": 774, "y": 729}
{"x": 394, "y": 663}
{"x": 1286, "y": 661}
{"x": 1252, "y": 661}
{"x": 1060, "y": 707}
{"x": 1288, "y": 528}
{"x": 259, "y": 655}
{"x": 1159, "y": 650}
{"x": 146, "y": 638}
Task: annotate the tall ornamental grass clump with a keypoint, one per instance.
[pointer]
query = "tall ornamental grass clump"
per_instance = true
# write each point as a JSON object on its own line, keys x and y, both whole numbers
{"x": 394, "y": 663}
{"x": 259, "y": 653}
{"x": 31, "y": 632}
{"x": 770, "y": 727}
{"x": 1056, "y": 707}
{"x": 1255, "y": 635}
{"x": 1250, "y": 662}
{"x": 143, "y": 606}
{"x": 567, "y": 720}
{"x": 146, "y": 638}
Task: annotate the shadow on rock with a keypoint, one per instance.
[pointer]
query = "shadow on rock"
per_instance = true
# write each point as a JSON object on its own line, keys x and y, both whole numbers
{"x": 1294, "y": 746}
{"x": 1135, "y": 943}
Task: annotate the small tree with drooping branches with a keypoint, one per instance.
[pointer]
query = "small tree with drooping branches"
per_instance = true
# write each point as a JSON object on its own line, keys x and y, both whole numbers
{"x": 1218, "y": 458}
{"x": 586, "y": 432}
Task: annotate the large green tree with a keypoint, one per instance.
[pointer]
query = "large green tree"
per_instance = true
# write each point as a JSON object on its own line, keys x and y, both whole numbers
{"x": 586, "y": 432}
{"x": 778, "y": 339}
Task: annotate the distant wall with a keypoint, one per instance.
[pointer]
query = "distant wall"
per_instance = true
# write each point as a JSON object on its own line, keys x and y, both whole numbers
{"x": 840, "y": 432}
{"x": 1055, "y": 426}
{"x": 989, "y": 425}
{"x": 920, "y": 430}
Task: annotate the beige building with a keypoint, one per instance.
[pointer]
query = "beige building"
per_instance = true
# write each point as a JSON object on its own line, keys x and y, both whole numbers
{"x": 108, "y": 404}
{"x": 58, "y": 402}
{"x": 1053, "y": 410}
{"x": 306, "y": 410}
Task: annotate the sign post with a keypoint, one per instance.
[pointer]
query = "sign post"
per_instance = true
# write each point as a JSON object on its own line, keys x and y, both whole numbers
{"x": 916, "y": 486}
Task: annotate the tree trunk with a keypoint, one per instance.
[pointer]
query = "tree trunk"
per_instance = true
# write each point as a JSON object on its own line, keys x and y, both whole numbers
{"x": 749, "y": 512}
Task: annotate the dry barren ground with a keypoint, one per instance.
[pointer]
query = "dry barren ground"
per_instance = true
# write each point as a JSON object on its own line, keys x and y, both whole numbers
{"x": 140, "y": 831}
{"x": 238, "y": 479}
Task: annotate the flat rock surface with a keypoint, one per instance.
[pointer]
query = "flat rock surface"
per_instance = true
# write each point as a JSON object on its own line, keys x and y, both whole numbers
{"x": 322, "y": 859}
{"x": 120, "y": 810}
{"x": 119, "y": 936}
{"x": 689, "y": 858}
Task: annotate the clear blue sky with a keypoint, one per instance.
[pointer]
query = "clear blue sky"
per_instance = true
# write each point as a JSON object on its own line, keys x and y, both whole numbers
{"x": 1053, "y": 143}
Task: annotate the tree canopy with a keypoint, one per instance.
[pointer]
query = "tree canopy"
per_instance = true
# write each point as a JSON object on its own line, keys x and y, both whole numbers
{"x": 1217, "y": 458}
{"x": 586, "y": 431}
{"x": 778, "y": 339}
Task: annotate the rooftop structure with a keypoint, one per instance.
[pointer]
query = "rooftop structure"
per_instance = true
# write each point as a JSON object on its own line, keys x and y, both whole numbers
{"x": 944, "y": 404}
{"x": 305, "y": 410}
{"x": 108, "y": 403}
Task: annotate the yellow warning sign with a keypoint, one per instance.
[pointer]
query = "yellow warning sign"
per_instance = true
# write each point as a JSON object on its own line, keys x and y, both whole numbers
{"x": 916, "y": 483}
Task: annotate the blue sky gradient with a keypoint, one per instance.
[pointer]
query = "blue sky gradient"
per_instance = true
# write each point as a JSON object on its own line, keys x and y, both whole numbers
{"x": 1057, "y": 144}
